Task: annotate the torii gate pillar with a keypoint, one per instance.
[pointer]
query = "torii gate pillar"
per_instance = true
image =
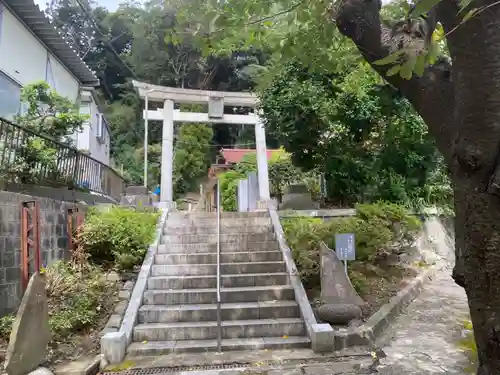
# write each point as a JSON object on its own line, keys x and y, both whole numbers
{"x": 167, "y": 154}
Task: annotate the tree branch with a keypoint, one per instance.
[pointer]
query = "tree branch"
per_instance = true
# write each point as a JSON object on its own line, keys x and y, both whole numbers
{"x": 431, "y": 95}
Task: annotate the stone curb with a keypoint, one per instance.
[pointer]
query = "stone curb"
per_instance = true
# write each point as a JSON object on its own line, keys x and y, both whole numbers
{"x": 90, "y": 367}
{"x": 114, "y": 344}
{"x": 115, "y": 320}
{"x": 321, "y": 335}
{"x": 366, "y": 334}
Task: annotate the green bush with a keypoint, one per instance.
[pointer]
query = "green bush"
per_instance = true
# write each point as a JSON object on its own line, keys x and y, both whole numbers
{"x": 6, "y": 323}
{"x": 78, "y": 297}
{"x": 281, "y": 174}
{"x": 228, "y": 188}
{"x": 377, "y": 228}
{"x": 304, "y": 236}
{"x": 118, "y": 237}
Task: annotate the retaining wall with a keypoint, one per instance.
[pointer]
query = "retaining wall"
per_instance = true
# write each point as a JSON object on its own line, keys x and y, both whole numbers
{"x": 54, "y": 244}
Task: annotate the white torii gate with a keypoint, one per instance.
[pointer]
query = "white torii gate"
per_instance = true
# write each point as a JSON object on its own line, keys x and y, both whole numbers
{"x": 216, "y": 101}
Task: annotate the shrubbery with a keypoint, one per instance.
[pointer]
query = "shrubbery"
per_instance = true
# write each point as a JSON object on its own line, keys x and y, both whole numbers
{"x": 281, "y": 174}
{"x": 379, "y": 229}
{"x": 118, "y": 237}
{"x": 77, "y": 295}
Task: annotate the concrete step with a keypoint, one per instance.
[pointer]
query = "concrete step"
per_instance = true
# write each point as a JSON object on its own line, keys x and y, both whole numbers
{"x": 240, "y": 239}
{"x": 233, "y": 329}
{"x": 209, "y": 258}
{"x": 211, "y": 269}
{"x": 212, "y": 229}
{"x": 155, "y": 348}
{"x": 210, "y": 281}
{"x": 229, "y": 311}
{"x": 212, "y": 247}
{"x": 253, "y": 267}
{"x": 212, "y": 222}
{"x": 213, "y": 215}
{"x": 209, "y": 295}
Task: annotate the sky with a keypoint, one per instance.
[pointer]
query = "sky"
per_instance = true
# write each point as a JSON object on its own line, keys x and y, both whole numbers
{"x": 112, "y": 5}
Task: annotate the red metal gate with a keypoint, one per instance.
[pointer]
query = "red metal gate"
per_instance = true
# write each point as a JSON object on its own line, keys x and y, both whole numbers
{"x": 30, "y": 241}
{"x": 75, "y": 221}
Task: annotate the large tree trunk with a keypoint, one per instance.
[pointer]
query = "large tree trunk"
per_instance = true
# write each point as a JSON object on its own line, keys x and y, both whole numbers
{"x": 460, "y": 102}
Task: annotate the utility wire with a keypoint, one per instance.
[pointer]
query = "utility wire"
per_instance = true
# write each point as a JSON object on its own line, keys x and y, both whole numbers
{"x": 96, "y": 25}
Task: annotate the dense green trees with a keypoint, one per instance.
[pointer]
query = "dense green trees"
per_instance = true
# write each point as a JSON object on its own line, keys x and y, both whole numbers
{"x": 456, "y": 96}
{"x": 365, "y": 137}
{"x": 328, "y": 109}
{"x": 136, "y": 41}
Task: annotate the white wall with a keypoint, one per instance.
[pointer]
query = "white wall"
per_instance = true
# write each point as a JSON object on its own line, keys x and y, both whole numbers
{"x": 82, "y": 138}
{"x": 65, "y": 84}
{"x": 87, "y": 139}
{"x": 24, "y": 58}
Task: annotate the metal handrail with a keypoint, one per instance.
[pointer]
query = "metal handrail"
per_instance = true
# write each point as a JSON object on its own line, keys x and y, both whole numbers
{"x": 219, "y": 323}
{"x": 53, "y": 163}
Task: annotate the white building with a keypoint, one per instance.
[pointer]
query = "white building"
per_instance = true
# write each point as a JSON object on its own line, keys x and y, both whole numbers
{"x": 32, "y": 50}
{"x": 94, "y": 139}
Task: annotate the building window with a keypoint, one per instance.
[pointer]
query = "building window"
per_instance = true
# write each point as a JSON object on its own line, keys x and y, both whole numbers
{"x": 10, "y": 97}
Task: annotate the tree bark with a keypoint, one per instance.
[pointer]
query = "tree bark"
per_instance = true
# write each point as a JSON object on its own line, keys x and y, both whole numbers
{"x": 460, "y": 102}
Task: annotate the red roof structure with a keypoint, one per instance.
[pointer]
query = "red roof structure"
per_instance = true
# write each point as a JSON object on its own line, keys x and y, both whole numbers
{"x": 235, "y": 155}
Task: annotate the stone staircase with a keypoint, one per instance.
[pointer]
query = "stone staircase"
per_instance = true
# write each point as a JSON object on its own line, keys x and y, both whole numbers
{"x": 179, "y": 311}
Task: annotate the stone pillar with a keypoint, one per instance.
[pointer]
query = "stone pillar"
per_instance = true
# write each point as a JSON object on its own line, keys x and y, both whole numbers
{"x": 167, "y": 152}
{"x": 263, "y": 174}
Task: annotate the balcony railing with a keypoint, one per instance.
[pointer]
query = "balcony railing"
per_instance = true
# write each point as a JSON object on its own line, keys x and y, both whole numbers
{"x": 27, "y": 157}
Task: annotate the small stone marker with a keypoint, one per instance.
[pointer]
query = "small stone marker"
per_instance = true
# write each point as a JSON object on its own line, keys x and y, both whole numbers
{"x": 31, "y": 332}
{"x": 335, "y": 284}
{"x": 340, "y": 301}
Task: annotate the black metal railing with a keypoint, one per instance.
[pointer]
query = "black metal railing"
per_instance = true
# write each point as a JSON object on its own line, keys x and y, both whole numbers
{"x": 27, "y": 157}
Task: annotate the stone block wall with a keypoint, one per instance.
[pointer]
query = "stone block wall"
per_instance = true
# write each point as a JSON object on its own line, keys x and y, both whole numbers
{"x": 54, "y": 241}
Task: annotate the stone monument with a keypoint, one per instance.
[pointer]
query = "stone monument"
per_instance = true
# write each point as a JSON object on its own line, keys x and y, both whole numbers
{"x": 31, "y": 332}
{"x": 298, "y": 197}
{"x": 340, "y": 303}
{"x": 136, "y": 196}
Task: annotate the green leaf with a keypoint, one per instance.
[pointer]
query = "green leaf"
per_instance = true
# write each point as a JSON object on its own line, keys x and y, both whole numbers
{"x": 420, "y": 65}
{"x": 422, "y": 7}
{"x": 407, "y": 68}
{"x": 464, "y": 4}
{"x": 389, "y": 59}
{"x": 393, "y": 71}
{"x": 433, "y": 52}
{"x": 470, "y": 14}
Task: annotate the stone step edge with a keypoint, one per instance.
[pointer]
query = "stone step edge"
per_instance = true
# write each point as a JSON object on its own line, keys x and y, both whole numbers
{"x": 241, "y": 289}
{"x": 215, "y": 264}
{"x": 251, "y": 343}
{"x": 223, "y": 306}
{"x": 235, "y": 275}
{"x": 225, "y": 253}
{"x": 224, "y": 323}
{"x": 200, "y": 244}
{"x": 191, "y": 224}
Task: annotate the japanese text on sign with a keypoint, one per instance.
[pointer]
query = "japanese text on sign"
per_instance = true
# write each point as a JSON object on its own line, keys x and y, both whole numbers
{"x": 345, "y": 246}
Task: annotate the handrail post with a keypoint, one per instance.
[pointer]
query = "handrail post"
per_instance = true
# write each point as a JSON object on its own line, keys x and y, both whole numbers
{"x": 219, "y": 323}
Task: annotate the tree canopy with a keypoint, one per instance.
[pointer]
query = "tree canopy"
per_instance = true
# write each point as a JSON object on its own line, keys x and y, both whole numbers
{"x": 436, "y": 86}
